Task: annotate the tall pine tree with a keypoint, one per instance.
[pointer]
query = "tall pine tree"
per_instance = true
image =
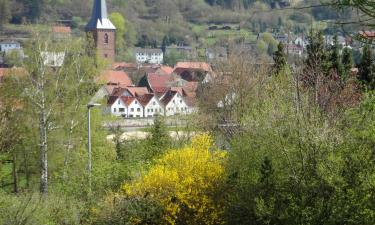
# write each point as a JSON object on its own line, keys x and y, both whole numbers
{"x": 317, "y": 56}
{"x": 347, "y": 62}
{"x": 335, "y": 57}
{"x": 280, "y": 58}
{"x": 366, "y": 72}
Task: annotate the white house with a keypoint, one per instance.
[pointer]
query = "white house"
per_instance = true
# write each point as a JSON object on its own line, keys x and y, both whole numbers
{"x": 148, "y": 55}
{"x": 53, "y": 59}
{"x": 301, "y": 41}
{"x": 6, "y": 46}
{"x": 151, "y": 105}
{"x": 174, "y": 104}
{"x": 128, "y": 107}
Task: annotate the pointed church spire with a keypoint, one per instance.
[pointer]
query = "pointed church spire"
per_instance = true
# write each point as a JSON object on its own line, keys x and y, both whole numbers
{"x": 99, "y": 17}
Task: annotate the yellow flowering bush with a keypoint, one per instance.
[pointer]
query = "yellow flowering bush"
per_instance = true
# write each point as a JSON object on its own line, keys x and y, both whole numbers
{"x": 186, "y": 182}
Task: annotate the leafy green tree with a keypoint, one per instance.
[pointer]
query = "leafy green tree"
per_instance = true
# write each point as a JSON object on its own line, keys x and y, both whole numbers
{"x": 366, "y": 73}
{"x": 279, "y": 58}
{"x": 13, "y": 58}
{"x": 119, "y": 22}
{"x": 261, "y": 47}
{"x": 59, "y": 105}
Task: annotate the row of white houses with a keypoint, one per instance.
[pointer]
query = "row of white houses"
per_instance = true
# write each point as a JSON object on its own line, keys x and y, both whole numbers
{"x": 149, "y": 105}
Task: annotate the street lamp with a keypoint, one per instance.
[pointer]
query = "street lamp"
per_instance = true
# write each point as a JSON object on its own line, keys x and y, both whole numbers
{"x": 89, "y": 166}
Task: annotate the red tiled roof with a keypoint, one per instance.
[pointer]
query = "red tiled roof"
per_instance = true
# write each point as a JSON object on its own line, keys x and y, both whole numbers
{"x": 119, "y": 65}
{"x": 134, "y": 91}
{"x": 138, "y": 90}
{"x": 16, "y": 71}
{"x": 193, "y": 65}
{"x": 160, "y": 90}
{"x": 367, "y": 34}
{"x": 168, "y": 97}
{"x": 166, "y": 69}
{"x": 61, "y": 29}
{"x": 180, "y": 90}
{"x": 3, "y": 71}
{"x": 145, "y": 99}
{"x": 190, "y": 88}
{"x": 111, "y": 99}
{"x": 127, "y": 100}
{"x": 115, "y": 77}
{"x": 157, "y": 81}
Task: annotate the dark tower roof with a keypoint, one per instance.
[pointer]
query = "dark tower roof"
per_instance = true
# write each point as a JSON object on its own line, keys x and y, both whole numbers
{"x": 99, "y": 18}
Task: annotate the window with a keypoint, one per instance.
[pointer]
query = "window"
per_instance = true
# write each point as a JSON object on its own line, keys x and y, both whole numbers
{"x": 154, "y": 103}
{"x": 152, "y": 110}
{"x": 180, "y": 101}
{"x": 132, "y": 110}
{"x": 106, "y": 38}
{"x": 118, "y": 102}
{"x": 138, "y": 109}
{"x": 121, "y": 110}
{"x": 114, "y": 109}
{"x": 173, "y": 101}
{"x": 136, "y": 102}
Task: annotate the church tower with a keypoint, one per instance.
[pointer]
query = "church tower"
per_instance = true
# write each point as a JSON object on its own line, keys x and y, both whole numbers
{"x": 102, "y": 30}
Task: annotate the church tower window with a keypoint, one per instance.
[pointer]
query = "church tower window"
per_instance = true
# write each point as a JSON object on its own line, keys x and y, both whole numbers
{"x": 106, "y": 38}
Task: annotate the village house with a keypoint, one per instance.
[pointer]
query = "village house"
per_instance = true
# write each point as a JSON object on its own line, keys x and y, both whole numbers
{"x": 294, "y": 49}
{"x": 192, "y": 71}
{"x": 174, "y": 104}
{"x": 216, "y": 54}
{"x": 301, "y": 41}
{"x": 61, "y": 32}
{"x": 157, "y": 83}
{"x": 10, "y": 45}
{"x": 128, "y": 107}
{"x": 148, "y": 55}
{"x": 151, "y": 105}
{"x": 53, "y": 59}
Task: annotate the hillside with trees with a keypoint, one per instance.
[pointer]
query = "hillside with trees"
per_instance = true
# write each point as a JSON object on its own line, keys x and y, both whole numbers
{"x": 281, "y": 143}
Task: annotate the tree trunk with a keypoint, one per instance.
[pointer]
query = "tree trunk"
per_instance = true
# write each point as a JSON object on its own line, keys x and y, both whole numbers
{"x": 43, "y": 153}
{"x": 15, "y": 174}
{"x": 27, "y": 172}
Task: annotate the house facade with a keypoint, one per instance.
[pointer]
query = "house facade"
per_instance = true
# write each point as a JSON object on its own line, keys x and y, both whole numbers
{"x": 6, "y": 46}
{"x": 128, "y": 107}
{"x": 174, "y": 104}
{"x": 148, "y": 55}
{"x": 151, "y": 105}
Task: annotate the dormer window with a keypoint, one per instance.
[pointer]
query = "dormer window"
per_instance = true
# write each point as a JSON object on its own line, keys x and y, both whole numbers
{"x": 106, "y": 38}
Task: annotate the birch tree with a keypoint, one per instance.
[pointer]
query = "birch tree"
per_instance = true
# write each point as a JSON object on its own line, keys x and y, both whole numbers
{"x": 55, "y": 87}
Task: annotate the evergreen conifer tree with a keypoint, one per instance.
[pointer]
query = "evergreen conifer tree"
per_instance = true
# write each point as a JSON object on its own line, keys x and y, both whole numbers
{"x": 347, "y": 62}
{"x": 280, "y": 58}
{"x": 366, "y": 68}
{"x": 335, "y": 57}
{"x": 317, "y": 57}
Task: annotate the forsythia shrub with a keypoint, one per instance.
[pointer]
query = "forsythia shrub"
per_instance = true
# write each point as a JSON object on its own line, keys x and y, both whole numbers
{"x": 186, "y": 182}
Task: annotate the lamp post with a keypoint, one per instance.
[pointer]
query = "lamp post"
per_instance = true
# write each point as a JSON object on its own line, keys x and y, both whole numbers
{"x": 89, "y": 165}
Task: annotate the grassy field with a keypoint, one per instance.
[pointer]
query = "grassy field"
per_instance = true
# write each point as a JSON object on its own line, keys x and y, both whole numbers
{"x": 211, "y": 37}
